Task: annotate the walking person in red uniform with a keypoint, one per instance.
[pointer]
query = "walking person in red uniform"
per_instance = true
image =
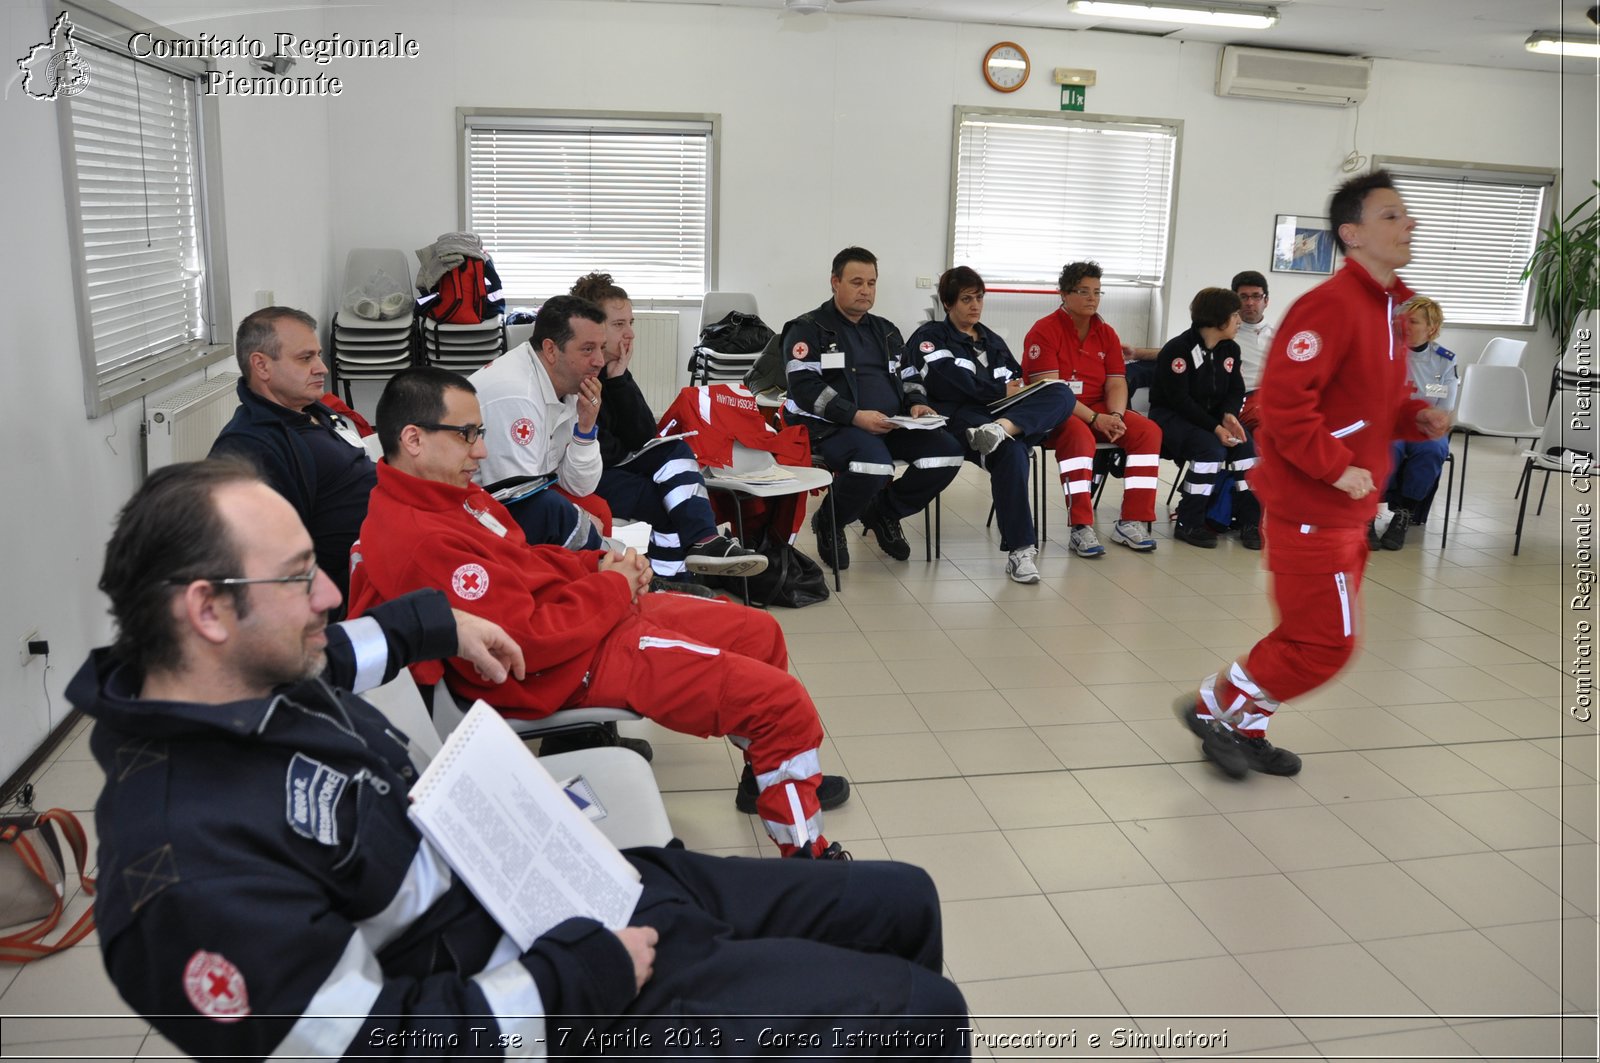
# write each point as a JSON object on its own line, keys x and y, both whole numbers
{"x": 1335, "y": 393}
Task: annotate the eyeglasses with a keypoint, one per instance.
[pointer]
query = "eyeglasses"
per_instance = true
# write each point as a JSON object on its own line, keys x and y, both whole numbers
{"x": 1087, "y": 293}
{"x": 469, "y": 432}
{"x": 309, "y": 578}
{"x": 1252, "y": 298}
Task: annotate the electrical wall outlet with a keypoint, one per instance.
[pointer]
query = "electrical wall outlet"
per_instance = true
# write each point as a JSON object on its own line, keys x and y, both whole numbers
{"x": 24, "y": 653}
{"x": 924, "y": 282}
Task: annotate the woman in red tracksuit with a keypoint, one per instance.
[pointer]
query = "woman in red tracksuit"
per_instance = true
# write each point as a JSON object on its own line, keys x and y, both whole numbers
{"x": 1334, "y": 394}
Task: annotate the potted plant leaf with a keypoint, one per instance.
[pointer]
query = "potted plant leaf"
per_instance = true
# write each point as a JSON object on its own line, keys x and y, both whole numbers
{"x": 1565, "y": 267}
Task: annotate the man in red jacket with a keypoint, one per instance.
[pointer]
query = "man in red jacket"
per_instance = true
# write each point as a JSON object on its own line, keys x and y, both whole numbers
{"x": 1334, "y": 394}
{"x": 591, "y": 631}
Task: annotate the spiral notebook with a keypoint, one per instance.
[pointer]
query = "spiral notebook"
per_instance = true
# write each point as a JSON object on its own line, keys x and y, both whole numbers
{"x": 515, "y": 837}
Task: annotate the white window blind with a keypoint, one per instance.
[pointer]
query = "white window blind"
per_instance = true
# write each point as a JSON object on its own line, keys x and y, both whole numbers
{"x": 556, "y": 198}
{"x": 1475, "y": 231}
{"x": 134, "y": 145}
{"x": 1033, "y": 193}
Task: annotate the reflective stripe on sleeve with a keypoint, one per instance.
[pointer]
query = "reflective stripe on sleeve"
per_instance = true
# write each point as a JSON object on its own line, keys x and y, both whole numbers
{"x": 371, "y": 651}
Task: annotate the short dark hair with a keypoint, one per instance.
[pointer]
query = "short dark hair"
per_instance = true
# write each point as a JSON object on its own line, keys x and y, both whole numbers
{"x": 414, "y": 396}
{"x": 952, "y": 282}
{"x": 259, "y": 332}
{"x": 1249, "y": 278}
{"x": 169, "y": 533}
{"x": 1074, "y": 272}
{"x": 853, "y": 254}
{"x": 554, "y": 321}
{"x": 1349, "y": 199}
{"x": 1212, "y": 307}
{"x": 598, "y": 288}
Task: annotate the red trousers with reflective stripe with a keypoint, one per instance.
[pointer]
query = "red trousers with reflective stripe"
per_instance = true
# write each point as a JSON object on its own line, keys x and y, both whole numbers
{"x": 1316, "y": 576}
{"x": 713, "y": 668}
{"x": 1075, "y": 443}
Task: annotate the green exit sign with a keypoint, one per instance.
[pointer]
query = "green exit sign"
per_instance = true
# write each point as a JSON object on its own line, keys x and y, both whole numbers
{"x": 1072, "y": 97}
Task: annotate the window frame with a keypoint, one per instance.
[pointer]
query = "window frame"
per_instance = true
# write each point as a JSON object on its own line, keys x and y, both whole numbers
{"x": 467, "y": 118}
{"x": 108, "y": 26}
{"x": 1405, "y": 166}
{"x": 1069, "y": 118}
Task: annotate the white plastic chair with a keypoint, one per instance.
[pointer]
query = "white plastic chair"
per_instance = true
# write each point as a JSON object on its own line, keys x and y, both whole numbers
{"x": 804, "y": 479}
{"x": 716, "y": 306}
{"x": 713, "y": 367}
{"x": 1493, "y": 402}
{"x": 1503, "y": 351}
{"x": 1568, "y": 430}
{"x": 366, "y": 347}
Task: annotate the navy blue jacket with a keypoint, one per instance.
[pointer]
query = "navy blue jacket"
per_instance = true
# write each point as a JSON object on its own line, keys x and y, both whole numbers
{"x": 948, "y": 359}
{"x": 822, "y": 376}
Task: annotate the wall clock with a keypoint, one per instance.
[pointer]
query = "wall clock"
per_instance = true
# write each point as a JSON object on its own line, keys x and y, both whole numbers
{"x": 1006, "y": 67}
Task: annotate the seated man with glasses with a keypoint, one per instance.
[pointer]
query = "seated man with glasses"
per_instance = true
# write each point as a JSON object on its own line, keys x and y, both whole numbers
{"x": 264, "y": 894}
{"x": 592, "y": 632}
{"x": 1076, "y": 344}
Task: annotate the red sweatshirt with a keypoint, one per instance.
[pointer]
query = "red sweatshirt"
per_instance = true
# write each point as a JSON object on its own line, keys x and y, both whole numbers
{"x": 555, "y": 603}
{"x": 1335, "y": 393}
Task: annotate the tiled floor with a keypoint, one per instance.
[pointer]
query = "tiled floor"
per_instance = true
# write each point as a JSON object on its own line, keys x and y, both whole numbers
{"x": 1426, "y": 888}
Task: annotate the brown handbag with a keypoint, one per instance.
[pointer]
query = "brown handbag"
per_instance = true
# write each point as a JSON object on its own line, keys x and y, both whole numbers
{"x": 33, "y": 883}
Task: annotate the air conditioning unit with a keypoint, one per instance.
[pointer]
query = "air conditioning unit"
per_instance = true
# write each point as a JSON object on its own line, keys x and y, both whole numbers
{"x": 1306, "y": 77}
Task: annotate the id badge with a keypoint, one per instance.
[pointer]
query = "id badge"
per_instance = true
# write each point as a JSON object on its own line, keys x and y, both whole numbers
{"x": 1434, "y": 391}
{"x": 347, "y": 432}
{"x": 833, "y": 359}
{"x": 1076, "y": 386}
{"x": 488, "y": 520}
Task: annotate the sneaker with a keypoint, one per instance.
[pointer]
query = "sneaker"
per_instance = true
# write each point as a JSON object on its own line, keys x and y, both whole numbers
{"x": 1020, "y": 567}
{"x": 1134, "y": 534}
{"x": 1199, "y": 535}
{"x": 1267, "y": 758}
{"x": 1373, "y": 542}
{"x": 1219, "y": 746}
{"x": 832, "y": 791}
{"x": 663, "y": 585}
{"x": 721, "y": 556}
{"x": 1394, "y": 536}
{"x": 1085, "y": 543}
{"x": 986, "y": 438}
{"x": 1250, "y": 537}
{"x": 891, "y": 540}
{"x": 831, "y": 545}
{"x": 590, "y": 738}
{"x": 834, "y": 851}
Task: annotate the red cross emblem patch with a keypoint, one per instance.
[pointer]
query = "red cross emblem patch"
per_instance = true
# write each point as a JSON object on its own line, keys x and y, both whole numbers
{"x": 522, "y": 431}
{"x": 470, "y": 582}
{"x": 1303, "y": 346}
{"x": 926, "y": 347}
{"x": 800, "y": 350}
{"x": 1033, "y": 352}
{"x": 215, "y": 987}
{"x": 1227, "y": 365}
{"x": 1179, "y": 365}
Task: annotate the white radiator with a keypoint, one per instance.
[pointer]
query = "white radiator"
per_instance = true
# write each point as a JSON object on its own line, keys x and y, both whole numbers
{"x": 655, "y": 356}
{"x": 1133, "y": 312}
{"x": 182, "y": 426}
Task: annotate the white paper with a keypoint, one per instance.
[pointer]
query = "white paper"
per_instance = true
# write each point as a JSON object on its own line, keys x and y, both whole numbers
{"x": 929, "y": 421}
{"x": 514, "y": 836}
{"x": 651, "y": 444}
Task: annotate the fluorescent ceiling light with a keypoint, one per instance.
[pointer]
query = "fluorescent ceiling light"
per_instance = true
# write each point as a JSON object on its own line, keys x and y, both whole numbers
{"x": 1241, "y": 16}
{"x": 1551, "y": 43}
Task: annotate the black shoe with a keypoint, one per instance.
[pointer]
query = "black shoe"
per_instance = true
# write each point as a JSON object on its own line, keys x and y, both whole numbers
{"x": 891, "y": 540}
{"x": 1200, "y": 536}
{"x": 593, "y": 738}
{"x": 662, "y": 585}
{"x": 1373, "y": 542}
{"x": 722, "y": 556}
{"x": 1250, "y": 537}
{"x": 1394, "y": 536}
{"x": 1219, "y": 746}
{"x": 832, "y": 791}
{"x": 831, "y": 545}
{"x": 1267, "y": 758}
{"x": 834, "y": 851}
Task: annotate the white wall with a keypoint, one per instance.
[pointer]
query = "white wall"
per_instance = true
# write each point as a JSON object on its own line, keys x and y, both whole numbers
{"x": 835, "y": 130}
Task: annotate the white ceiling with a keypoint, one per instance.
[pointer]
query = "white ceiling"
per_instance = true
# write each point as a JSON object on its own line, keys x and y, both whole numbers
{"x": 1465, "y": 32}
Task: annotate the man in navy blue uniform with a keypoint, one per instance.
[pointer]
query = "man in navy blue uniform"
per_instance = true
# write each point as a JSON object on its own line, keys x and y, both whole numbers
{"x": 306, "y": 452}
{"x": 848, "y": 375}
{"x": 245, "y": 924}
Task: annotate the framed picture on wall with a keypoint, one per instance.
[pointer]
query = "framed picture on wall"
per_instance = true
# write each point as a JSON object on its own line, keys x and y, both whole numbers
{"x": 1302, "y": 244}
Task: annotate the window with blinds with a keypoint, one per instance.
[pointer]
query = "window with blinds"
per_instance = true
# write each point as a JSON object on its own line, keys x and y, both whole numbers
{"x": 555, "y": 197}
{"x": 1475, "y": 231}
{"x": 1033, "y": 192}
{"x": 134, "y": 147}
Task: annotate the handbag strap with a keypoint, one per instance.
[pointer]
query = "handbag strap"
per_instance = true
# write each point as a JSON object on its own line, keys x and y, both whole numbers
{"x": 25, "y": 946}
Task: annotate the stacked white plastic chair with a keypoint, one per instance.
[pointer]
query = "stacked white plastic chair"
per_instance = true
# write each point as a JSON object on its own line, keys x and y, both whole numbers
{"x": 370, "y": 338}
